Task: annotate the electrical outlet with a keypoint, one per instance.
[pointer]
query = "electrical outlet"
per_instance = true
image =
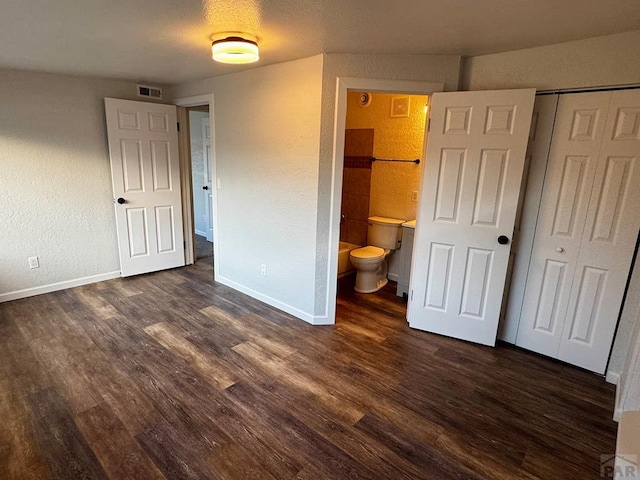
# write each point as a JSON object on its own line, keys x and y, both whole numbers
{"x": 33, "y": 262}
{"x": 414, "y": 196}
{"x": 263, "y": 270}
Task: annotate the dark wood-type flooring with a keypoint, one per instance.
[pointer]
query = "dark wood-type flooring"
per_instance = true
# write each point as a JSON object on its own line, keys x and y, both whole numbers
{"x": 168, "y": 375}
{"x": 203, "y": 248}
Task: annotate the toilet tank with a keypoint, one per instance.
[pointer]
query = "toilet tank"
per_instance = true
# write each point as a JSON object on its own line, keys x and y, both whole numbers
{"x": 385, "y": 232}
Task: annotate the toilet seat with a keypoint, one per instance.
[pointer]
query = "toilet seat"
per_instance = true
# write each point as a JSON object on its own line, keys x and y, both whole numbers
{"x": 369, "y": 254}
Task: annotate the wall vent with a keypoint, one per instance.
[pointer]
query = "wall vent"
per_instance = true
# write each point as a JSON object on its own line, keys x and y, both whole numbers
{"x": 149, "y": 92}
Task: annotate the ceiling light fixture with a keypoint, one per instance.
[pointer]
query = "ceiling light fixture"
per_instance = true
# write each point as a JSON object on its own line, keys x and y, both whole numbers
{"x": 235, "y": 48}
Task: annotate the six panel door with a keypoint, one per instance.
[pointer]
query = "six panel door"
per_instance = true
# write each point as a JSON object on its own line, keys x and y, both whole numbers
{"x": 143, "y": 147}
{"x": 474, "y": 164}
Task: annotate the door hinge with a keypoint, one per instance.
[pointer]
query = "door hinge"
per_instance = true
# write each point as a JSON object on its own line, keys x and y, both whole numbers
{"x": 178, "y": 126}
{"x": 184, "y": 244}
{"x": 429, "y": 125}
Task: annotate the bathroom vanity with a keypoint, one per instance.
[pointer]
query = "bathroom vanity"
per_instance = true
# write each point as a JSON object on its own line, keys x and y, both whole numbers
{"x": 408, "y": 229}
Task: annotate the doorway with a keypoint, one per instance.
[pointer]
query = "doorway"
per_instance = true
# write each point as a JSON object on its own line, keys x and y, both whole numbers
{"x": 201, "y": 180}
{"x": 346, "y": 85}
{"x": 201, "y": 108}
{"x": 382, "y": 173}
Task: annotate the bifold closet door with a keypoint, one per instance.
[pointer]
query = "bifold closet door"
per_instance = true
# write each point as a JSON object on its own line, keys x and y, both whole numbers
{"x": 587, "y": 228}
{"x": 544, "y": 114}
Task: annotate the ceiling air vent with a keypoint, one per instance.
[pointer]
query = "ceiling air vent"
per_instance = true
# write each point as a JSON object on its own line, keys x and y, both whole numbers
{"x": 149, "y": 92}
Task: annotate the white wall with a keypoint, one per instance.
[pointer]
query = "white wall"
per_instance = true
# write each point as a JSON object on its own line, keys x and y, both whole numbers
{"x": 629, "y": 318}
{"x": 55, "y": 182}
{"x": 267, "y": 130}
{"x": 609, "y": 60}
{"x": 602, "y": 61}
{"x": 428, "y": 68}
{"x": 197, "y": 169}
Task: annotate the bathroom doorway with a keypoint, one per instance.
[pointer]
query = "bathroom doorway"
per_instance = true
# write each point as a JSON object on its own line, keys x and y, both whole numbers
{"x": 382, "y": 175}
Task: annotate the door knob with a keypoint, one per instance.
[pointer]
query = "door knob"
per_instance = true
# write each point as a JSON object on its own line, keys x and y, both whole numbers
{"x": 121, "y": 200}
{"x": 559, "y": 249}
{"x": 206, "y": 187}
{"x": 503, "y": 239}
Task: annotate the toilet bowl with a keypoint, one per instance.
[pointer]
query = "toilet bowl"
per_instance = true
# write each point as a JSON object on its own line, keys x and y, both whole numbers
{"x": 371, "y": 265}
{"x": 383, "y": 236}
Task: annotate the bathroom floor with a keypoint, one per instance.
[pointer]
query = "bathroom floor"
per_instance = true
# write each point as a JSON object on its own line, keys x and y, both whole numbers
{"x": 384, "y": 299}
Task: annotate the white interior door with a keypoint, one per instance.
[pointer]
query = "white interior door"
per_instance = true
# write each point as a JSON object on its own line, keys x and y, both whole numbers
{"x": 208, "y": 177}
{"x": 143, "y": 146}
{"x": 474, "y": 163}
{"x": 587, "y": 229}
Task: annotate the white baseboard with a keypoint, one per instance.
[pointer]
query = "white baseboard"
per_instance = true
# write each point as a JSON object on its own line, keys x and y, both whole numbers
{"x": 201, "y": 233}
{"x": 617, "y": 413}
{"x": 307, "y": 317}
{"x": 54, "y": 287}
{"x": 393, "y": 276}
{"x": 613, "y": 377}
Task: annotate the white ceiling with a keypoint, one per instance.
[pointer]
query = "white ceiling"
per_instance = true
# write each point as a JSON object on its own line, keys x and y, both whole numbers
{"x": 168, "y": 41}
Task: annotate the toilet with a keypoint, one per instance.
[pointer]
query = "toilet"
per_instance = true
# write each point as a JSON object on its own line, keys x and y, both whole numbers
{"x": 384, "y": 235}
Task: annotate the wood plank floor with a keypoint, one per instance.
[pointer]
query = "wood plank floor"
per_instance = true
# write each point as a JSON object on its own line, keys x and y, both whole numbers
{"x": 170, "y": 376}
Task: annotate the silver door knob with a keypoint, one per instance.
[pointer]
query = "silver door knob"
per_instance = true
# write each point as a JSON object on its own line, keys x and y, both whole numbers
{"x": 559, "y": 249}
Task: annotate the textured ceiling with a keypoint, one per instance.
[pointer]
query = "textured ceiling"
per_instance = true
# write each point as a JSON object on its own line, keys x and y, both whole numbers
{"x": 167, "y": 41}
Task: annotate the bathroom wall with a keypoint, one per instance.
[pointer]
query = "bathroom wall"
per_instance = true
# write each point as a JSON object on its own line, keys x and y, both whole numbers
{"x": 392, "y": 184}
{"x": 197, "y": 170}
{"x": 356, "y": 185}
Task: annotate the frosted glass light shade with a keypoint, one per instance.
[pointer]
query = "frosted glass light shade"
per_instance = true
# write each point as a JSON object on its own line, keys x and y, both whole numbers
{"x": 235, "y": 50}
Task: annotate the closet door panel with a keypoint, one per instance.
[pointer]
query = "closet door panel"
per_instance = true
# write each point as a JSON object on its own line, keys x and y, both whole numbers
{"x": 609, "y": 238}
{"x": 571, "y": 171}
{"x": 544, "y": 112}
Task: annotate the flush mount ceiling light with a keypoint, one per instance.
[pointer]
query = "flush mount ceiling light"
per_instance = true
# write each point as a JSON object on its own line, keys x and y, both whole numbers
{"x": 235, "y": 48}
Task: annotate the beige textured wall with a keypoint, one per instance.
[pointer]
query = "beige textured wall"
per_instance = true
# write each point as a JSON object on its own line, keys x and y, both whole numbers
{"x": 267, "y": 134}
{"x": 392, "y": 184}
{"x": 55, "y": 180}
{"x": 594, "y": 62}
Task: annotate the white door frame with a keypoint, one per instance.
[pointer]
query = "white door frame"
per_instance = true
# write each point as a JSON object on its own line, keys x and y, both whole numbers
{"x": 343, "y": 86}
{"x": 187, "y": 190}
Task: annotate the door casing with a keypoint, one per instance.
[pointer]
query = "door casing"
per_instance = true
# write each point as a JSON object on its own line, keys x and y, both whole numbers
{"x": 185, "y": 175}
